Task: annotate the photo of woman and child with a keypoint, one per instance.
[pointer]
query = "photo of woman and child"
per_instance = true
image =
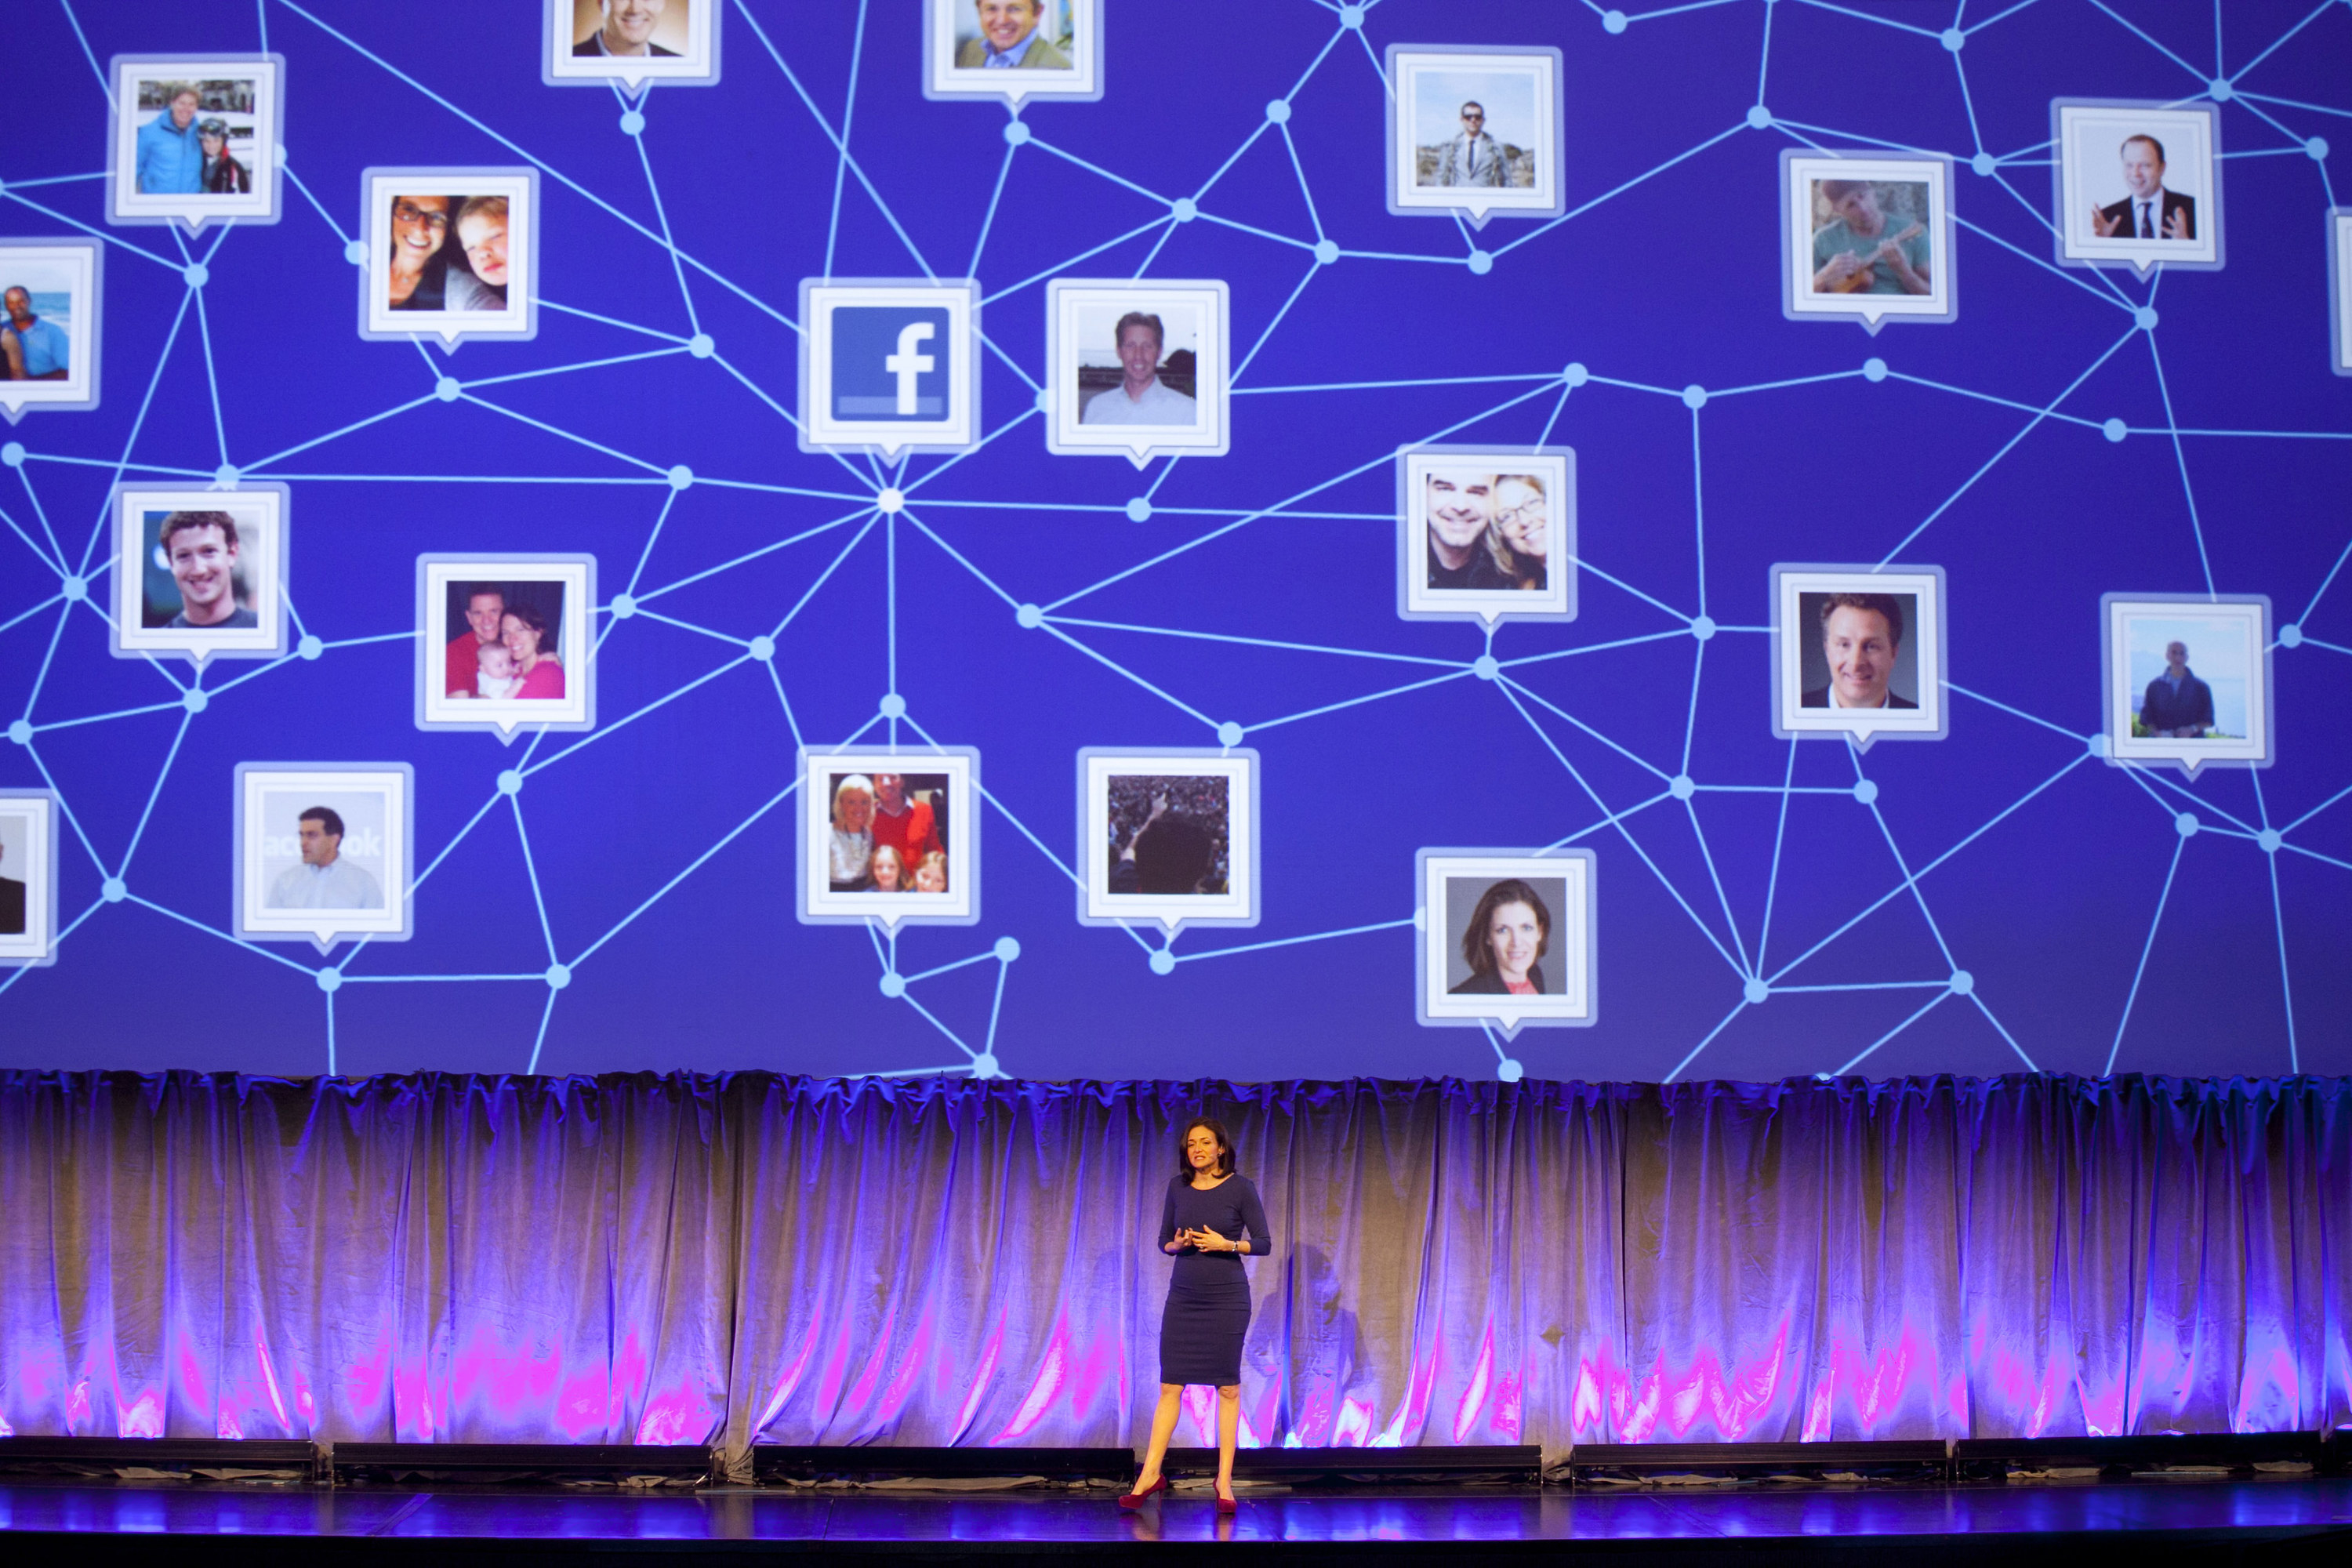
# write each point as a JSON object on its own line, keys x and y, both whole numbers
{"x": 1486, "y": 530}
{"x": 890, "y": 833}
{"x": 430, "y": 273}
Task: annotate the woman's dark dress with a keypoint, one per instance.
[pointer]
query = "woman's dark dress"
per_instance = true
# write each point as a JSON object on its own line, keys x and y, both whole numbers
{"x": 1208, "y": 1295}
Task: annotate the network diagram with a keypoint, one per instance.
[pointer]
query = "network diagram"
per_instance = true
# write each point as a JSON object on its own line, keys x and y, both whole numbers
{"x": 861, "y": 503}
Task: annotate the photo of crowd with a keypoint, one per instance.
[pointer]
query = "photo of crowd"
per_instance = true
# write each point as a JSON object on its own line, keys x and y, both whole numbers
{"x": 511, "y": 648}
{"x": 447, "y": 252}
{"x": 888, "y": 833}
{"x": 1170, "y": 833}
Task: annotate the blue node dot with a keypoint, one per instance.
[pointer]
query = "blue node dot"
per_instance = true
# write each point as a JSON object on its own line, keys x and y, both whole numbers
{"x": 890, "y": 501}
{"x": 1278, "y": 112}
{"x": 702, "y": 345}
{"x": 624, "y": 605}
{"x": 1044, "y": 400}
{"x": 1351, "y": 15}
{"x": 1007, "y": 950}
{"x": 2114, "y": 430}
{"x": 1163, "y": 961}
{"x": 2290, "y": 636}
{"x": 1866, "y": 792}
{"x": 113, "y": 891}
{"x": 1984, "y": 163}
{"x": 893, "y": 985}
{"x": 196, "y": 700}
{"x": 1183, "y": 209}
{"x": 74, "y": 589}
{"x": 309, "y": 647}
{"x": 1421, "y": 919}
{"x": 984, "y": 1066}
{"x": 1962, "y": 982}
{"x": 510, "y": 782}
{"x": 680, "y": 477}
{"x": 1694, "y": 396}
{"x": 2186, "y": 825}
{"x": 1326, "y": 251}
{"x": 2095, "y": 744}
{"x": 1682, "y": 786}
{"x": 1954, "y": 40}
{"x": 1873, "y": 370}
{"x": 1017, "y": 134}
{"x": 632, "y": 123}
{"x": 448, "y": 389}
{"x": 763, "y": 648}
{"x": 2269, "y": 838}
{"x": 1229, "y": 733}
{"x": 1029, "y": 616}
{"x": 1508, "y": 1070}
{"x": 13, "y": 454}
{"x": 1760, "y": 118}
{"x": 1138, "y": 510}
{"x": 892, "y": 705}
{"x": 331, "y": 981}
{"x": 1575, "y": 374}
{"x": 356, "y": 253}
{"x": 20, "y": 730}
{"x": 1480, "y": 263}
{"x": 224, "y": 478}
{"x": 2316, "y": 147}
{"x": 1756, "y": 991}
{"x": 1703, "y": 629}
{"x": 1484, "y": 666}
{"x": 1613, "y": 21}
{"x": 558, "y": 976}
{"x": 2221, "y": 90}
{"x": 196, "y": 274}
{"x": 2145, "y": 318}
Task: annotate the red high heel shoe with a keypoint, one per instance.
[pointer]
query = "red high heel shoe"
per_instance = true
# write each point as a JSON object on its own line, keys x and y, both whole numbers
{"x": 1135, "y": 1500}
{"x": 1228, "y": 1505}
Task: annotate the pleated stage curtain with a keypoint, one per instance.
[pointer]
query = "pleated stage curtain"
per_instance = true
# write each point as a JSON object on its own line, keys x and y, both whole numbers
{"x": 751, "y": 1258}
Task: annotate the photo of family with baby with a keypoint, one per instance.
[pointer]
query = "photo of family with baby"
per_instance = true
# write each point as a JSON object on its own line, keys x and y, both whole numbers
{"x": 890, "y": 833}
{"x": 510, "y": 648}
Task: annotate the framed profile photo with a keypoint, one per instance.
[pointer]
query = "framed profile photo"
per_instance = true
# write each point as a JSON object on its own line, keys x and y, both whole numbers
{"x": 1474, "y": 131}
{"x": 324, "y": 851}
{"x": 452, "y": 254}
{"x": 1012, "y": 49}
{"x": 889, "y": 835}
{"x": 504, "y": 643}
{"x": 1505, "y": 937}
{"x": 1858, "y": 652}
{"x": 49, "y": 324}
{"x": 195, "y": 138}
{"x": 1168, "y": 836}
{"x": 201, "y": 572}
{"x": 1486, "y": 533}
{"x": 2339, "y": 289}
{"x": 2187, "y": 679}
{"x": 591, "y": 43}
{"x": 29, "y": 878}
{"x": 1867, "y": 237}
{"x": 2137, "y": 184}
{"x": 889, "y": 365}
{"x": 1138, "y": 367}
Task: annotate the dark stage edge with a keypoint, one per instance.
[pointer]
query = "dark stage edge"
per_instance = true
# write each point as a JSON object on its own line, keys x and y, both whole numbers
{"x": 2208, "y": 1521}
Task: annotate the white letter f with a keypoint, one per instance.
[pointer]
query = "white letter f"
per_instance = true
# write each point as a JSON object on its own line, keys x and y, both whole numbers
{"x": 907, "y": 364}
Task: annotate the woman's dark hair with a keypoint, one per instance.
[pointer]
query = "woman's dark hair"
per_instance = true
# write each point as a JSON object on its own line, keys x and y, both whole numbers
{"x": 1224, "y": 1148}
{"x": 537, "y": 622}
{"x": 1478, "y": 952}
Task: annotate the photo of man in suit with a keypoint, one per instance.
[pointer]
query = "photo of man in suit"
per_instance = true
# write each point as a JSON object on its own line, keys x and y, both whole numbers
{"x": 2177, "y": 706}
{"x": 1009, "y": 39}
{"x": 2150, "y": 212}
{"x": 627, "y": 31}
{"x": 1862, "y": 635}
{"x": 1472, "y": 158}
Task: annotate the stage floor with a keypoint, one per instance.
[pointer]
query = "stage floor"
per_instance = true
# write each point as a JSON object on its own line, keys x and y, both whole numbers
{"x": 2281, "y": 1520}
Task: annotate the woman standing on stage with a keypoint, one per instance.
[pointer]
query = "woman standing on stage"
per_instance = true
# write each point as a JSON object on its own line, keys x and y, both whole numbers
{"x": 1209, "y": 1208}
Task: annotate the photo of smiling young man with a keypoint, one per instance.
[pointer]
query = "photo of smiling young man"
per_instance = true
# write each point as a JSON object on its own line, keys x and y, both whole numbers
{"x": 1861, "y": 641}
{"x": 625, "y": 30}
{"x": 202, "y": 549}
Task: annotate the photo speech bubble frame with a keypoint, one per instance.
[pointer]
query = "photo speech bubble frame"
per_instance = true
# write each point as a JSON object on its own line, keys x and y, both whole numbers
{"x": 1573, "y": 1006}
{"x": 36, "y": 946}
{"x": 2249, "y": 612}
{"x": 2339, "y": 290}
{"x": 819, "y": 905}
{"x": 519, "y": 323}
{"x": 1212, "y": 360}
{"x": 1546, "y": 199}
{"x": 78, "y": 391}
{"x": 2077, "y": 249}
{"x": 1416, "y": 601}
{"x": 127, "y": 206}
{"x": 251, "y": 921}
{"x": 698, "y": 67}
{"x": 957, "y": 431}
{"x": 1799, "y": 167}
{"x": 1237, "y": 906}
{"x": 271, "y": 577}
{"x": 1082, "y": 83}
{"x": 505, "y": 717}
{"x": 1792, "y": 721}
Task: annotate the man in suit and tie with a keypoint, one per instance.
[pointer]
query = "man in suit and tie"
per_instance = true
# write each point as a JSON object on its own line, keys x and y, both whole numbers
{"x": 2150, "y": 212}
{"x": 1862, "y": 634}
{"x": 627, "y": 32}
{"x": 1472, "y": 158}
{"x": 1009, "y": 39}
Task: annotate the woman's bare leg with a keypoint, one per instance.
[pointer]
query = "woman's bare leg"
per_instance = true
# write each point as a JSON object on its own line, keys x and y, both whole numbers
{"x": 1163, "y": 1426}
{"x": 1229, "y": 1422}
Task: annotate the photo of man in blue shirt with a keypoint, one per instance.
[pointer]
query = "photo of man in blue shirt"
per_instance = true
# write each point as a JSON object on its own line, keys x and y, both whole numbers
{"x": 34, "y": 350}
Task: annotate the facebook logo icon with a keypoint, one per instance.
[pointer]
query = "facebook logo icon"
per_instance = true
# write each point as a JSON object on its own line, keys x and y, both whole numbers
{"x": 891, "y": 362}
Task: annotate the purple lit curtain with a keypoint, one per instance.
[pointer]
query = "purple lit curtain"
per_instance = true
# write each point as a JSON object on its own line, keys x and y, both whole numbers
{"x": 752, "y": 1259}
